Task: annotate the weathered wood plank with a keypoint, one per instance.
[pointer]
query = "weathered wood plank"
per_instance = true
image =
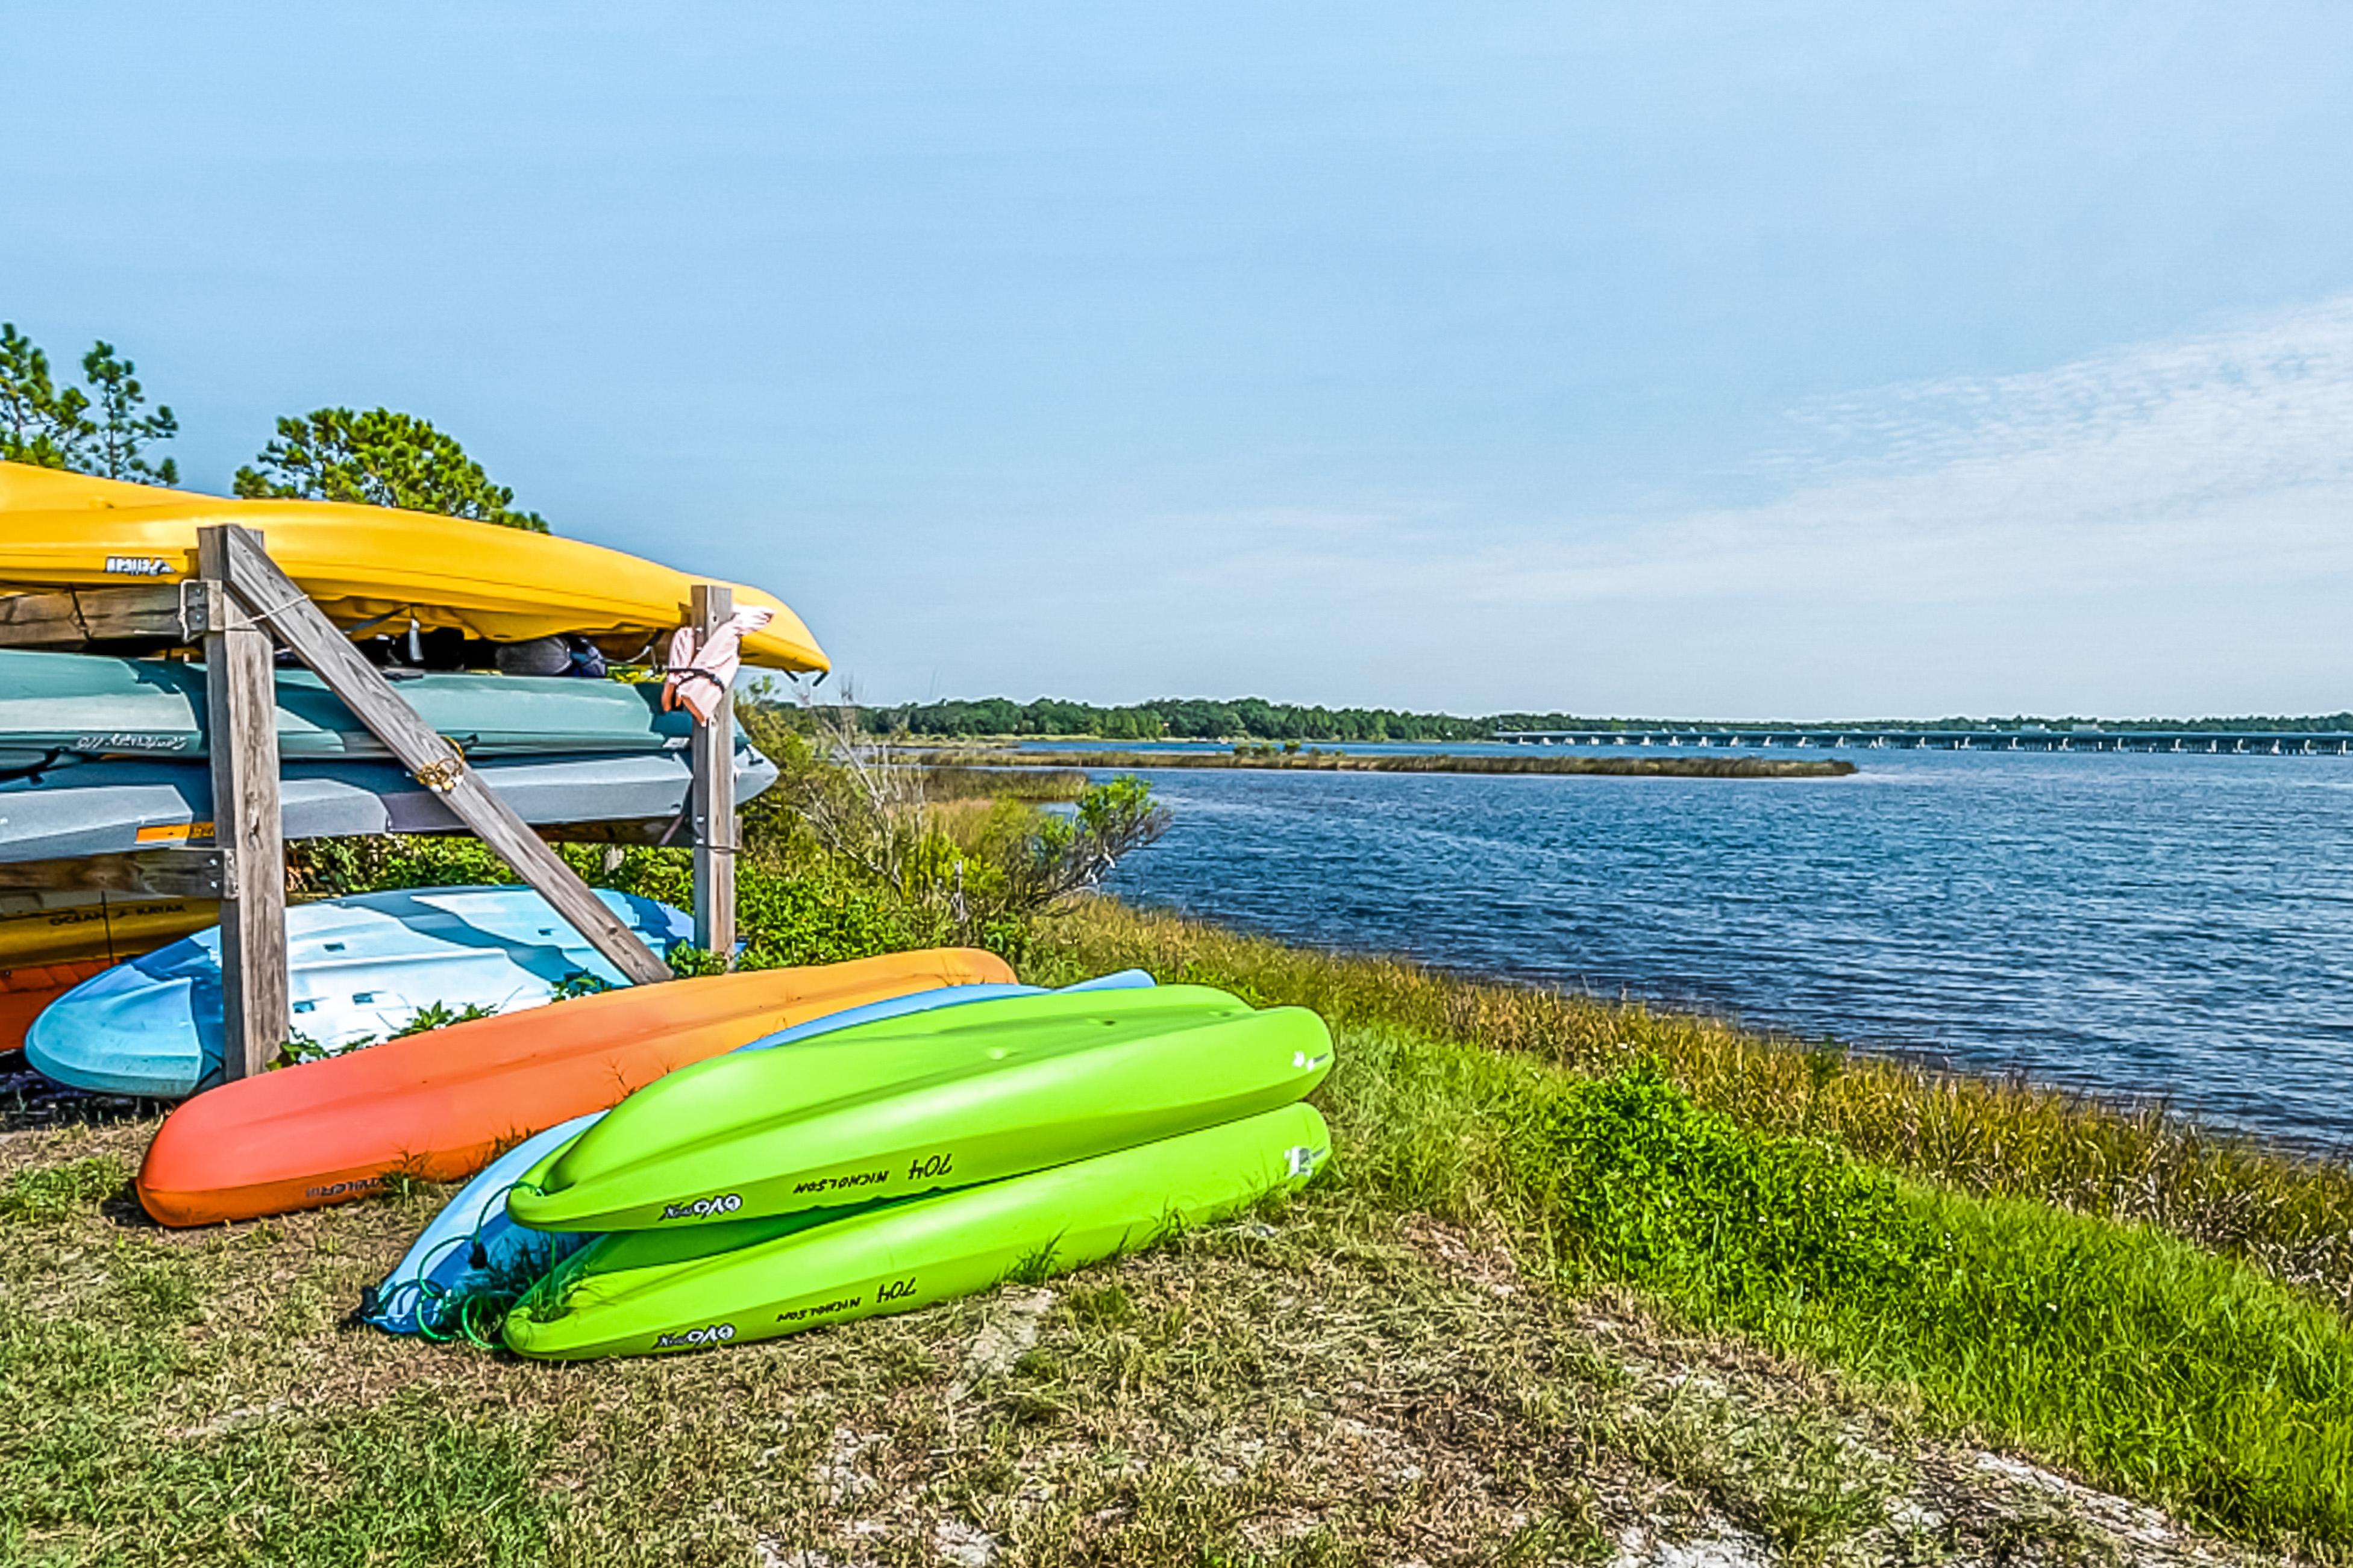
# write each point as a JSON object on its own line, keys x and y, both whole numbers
{"x": 711, "y": 797}
{"x": 158, "y": 873}
{"x": 273, "y": 598}
{"x": 70, "y": 618}
{"x": 241, "y": 738}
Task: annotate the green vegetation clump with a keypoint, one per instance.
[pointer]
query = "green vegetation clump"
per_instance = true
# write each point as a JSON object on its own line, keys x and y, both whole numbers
{"x": 848, "y": 855}
{"x": 945, "y": 782}
{"x": 379, "y": 458}
{"x": 40, "y": 1194}
{"x": 2152, "y": 1365}
{"x": 105, "y": 430}
{"x": 376, "y": 457}
{"x": 1290, "y": 759}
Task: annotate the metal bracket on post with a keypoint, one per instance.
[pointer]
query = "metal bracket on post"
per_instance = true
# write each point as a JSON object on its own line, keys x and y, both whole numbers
{"x": 710, "y": 809}
{"x": 259, "y": 591}
{"x": 241, "y": 734}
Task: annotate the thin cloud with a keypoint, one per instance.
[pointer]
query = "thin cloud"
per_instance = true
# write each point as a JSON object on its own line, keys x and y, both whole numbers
{"x": 2213, "y": 471}
{"x": 2220, "y": 458}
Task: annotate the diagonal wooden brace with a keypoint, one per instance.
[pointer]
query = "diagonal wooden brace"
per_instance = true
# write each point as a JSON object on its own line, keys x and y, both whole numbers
{"x": 260, "y": 592}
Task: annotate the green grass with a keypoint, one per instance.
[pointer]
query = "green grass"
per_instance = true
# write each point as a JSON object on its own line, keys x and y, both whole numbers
{"x": 2156, "y": 1365}
{"x": 2163, "y": 1370}
{"x": 2289, "y": 1216}
{"x": 1578, "y": 1271}
{"x": 1329, "y": 1381}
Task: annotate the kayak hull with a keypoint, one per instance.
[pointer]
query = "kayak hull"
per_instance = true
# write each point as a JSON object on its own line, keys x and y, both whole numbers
{"x": 97, "y": 706}
{"x": 357, "y": 969}
{"x": 370, "y": 567}
{"x": 472, "y": 1245}
{"x": 439, "y": 1106}
{"x": 109, "y": 807}
{"x": 646, "y": 1293}
{"x": 26, "y": 991}
{"x": 68, "y": 926}
{"x": 934, "y": 1101}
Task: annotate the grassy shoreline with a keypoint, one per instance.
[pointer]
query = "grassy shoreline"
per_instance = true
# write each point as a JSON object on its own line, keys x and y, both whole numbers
{"x": 2158, "y": 1308}
{"x": 1689, "y": 767}
{"x": 2287, "y": 1213}
{"x": 1584, "y": 1274}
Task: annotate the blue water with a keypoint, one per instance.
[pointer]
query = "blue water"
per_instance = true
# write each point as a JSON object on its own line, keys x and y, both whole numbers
{"x": 2178, "y": 927}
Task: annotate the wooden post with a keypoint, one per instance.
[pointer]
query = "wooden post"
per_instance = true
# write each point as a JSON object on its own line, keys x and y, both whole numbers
{"x": 259, "y": 590}
{"x": 241, "y": 733}
{"x": 710, "y": 809}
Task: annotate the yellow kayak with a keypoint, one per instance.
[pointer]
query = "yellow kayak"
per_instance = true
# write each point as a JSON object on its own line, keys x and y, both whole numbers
{"x": 368, "y": 567}
{"x": 39, "y": 928}
{"x": 51, "y": 942}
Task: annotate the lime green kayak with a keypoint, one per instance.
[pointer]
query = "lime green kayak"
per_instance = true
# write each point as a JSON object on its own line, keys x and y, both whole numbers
{"x": 640, "y": 1291}
{"x": 923, "y": 1102}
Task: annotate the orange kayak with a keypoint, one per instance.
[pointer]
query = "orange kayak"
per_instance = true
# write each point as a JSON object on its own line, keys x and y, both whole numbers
{"x": 28, "y": 988}
{"x": 439, "y": 1106}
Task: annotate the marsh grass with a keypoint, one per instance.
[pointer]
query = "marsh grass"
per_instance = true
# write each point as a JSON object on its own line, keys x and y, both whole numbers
{"x": 2288, "y": 1215}
{"x": 1036, "y": 785}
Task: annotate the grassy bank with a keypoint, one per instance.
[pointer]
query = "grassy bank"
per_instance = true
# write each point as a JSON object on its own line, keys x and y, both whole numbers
{"x": 2291, "y": 1217}
{"x": 1585, "y": 1280}
{"x": 1332, "y": 1383}
{"x": 1720, "y": 1172}
{"x": 1320, "y": 762}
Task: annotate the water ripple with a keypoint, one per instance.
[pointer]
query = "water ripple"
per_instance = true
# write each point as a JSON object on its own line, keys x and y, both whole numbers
{"x": 2174, "y": 927}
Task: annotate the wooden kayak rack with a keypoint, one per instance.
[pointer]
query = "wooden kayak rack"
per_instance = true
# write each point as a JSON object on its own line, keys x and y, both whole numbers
{"x": 239, "y": 605}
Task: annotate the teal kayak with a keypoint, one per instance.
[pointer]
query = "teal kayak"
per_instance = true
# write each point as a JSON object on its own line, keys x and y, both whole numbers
{"x": 643, "y": 1291}
{"x": 926, "y": 1101}
{"x": 357, "y": 969}
{"x": 90, "y": 705}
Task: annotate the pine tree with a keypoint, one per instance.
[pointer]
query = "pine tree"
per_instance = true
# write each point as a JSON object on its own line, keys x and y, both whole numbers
{"x": 40, "y": 422}
{"x": 379, "y": 458}
{"x": 122, "y": 433}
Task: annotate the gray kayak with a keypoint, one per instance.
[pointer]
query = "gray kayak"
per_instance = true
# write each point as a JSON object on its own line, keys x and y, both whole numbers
{"x": 90, "y": 705}
{"x": 111, "y": 807}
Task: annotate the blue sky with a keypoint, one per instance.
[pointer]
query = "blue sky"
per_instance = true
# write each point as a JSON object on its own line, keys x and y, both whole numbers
{"x": 1673, "y": 359}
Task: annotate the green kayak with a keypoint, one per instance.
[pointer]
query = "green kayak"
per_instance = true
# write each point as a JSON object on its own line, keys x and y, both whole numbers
{"x": 640, "y": 1291}
{"x": 930, "y": 1100}
{"x": 88, "y": 705}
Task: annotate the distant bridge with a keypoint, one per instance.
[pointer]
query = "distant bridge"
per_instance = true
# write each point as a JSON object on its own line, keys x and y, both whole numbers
{"x": 2229, "y": 743}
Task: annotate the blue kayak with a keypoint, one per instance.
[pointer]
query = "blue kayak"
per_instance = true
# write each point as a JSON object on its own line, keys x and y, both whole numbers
{"x": 472, "y": 1248}
{"x": 359, "y": 969}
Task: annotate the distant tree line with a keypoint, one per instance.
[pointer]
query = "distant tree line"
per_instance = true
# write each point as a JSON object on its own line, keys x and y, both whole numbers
{"x": 1255, "y": 719}
{"x": 379, "y": 458}
{"x": 1192, "y": 719}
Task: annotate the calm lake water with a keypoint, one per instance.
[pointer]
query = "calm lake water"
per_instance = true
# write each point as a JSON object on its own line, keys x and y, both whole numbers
{"x": 2177, "y": 927}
